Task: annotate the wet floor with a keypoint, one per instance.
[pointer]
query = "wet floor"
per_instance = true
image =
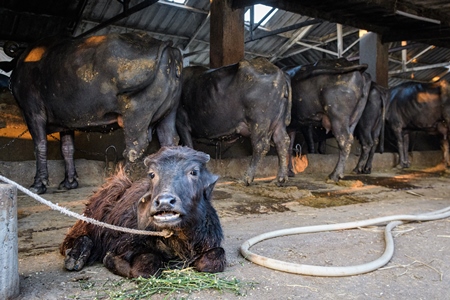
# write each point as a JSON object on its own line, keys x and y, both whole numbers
{"x": 307, "y": 191}
{"x": 395, "y": 183}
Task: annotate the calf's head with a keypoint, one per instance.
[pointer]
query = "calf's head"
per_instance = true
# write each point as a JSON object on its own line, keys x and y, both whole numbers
{"x": 180, "y": 189}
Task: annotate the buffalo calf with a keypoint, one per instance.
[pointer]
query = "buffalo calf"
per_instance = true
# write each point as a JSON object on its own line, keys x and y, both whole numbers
{"x": 176, "y": 196}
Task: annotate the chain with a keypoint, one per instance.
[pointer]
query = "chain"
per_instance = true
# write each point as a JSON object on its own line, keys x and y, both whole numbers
{"x": 105, "y": 155}
{"x": 81, "y": 150}
{"x": 13, "y": 140}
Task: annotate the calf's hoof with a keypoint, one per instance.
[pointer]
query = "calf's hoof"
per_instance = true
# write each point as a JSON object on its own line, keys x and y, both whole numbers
{"x": 291, "y": 173}
{"x": 77, "y": 257}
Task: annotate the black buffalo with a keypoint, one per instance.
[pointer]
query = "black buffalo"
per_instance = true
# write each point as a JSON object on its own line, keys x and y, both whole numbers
{"x": 370, "y": 129}
{"x": 175, "y": 196}
{"x": 331, "y": 94}
{"x": 251, "y": 98}
{"x": 419, "y": 106}
{"x": 98, "y": 83}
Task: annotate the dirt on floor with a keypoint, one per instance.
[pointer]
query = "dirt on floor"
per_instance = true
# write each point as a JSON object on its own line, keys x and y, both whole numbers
{"x": 419, "y": 269}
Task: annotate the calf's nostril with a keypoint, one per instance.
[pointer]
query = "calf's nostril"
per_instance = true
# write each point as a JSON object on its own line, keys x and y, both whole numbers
{"x": 165, "y": 200}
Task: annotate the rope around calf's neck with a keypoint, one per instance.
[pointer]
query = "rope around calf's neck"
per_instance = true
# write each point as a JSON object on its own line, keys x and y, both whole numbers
{"x": 164, "y": 233}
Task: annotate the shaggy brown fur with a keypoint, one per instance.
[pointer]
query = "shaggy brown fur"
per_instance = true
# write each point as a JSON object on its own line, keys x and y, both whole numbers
{"x": 176, "y": 196}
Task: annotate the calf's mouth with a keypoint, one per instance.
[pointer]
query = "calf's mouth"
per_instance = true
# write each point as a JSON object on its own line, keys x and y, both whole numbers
{"x": 166, "y": 216}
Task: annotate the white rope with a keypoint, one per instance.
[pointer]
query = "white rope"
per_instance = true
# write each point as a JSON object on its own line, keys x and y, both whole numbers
{"x": 165, "y": 233}
{"x": 336, "y": 271}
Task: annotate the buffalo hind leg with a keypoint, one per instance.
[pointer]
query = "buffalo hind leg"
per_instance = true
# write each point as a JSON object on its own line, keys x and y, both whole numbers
{"x": 166, "y": 130}
{"x": 144, "y": 265}
{"x": 260, "y": 145}
{"x": 39, "y": 136}
{"x": 307, "y": 131}
{"x": 402, "y": 144}
{"x": 359, "y": 169}
{"x": 78, "y": 255}
{"x": 443, "y": 130}
{"x": 282, "y": 143}
{"x": 445, "y": 151}
{"x": 67, "y": 151}
{"x": 212, "y": 261}
{"x": 344, "y": 140}
{"x": 368, "y": 166}
{"x": 406, "y": 162}
{"x": 291, "y": 172}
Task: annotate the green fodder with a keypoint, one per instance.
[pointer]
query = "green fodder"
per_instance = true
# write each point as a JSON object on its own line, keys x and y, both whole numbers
{"x": 171, "y": 284}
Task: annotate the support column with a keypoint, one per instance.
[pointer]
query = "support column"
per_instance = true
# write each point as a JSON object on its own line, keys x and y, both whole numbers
{"x": 9, "y": 248}
{"x": 226, "y": 34}
{"x": 375, "y": 54}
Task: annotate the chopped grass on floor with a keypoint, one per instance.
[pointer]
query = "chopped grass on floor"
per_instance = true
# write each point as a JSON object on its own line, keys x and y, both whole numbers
{"x": 178, "y": 281}
{"x": 172, "y": 283}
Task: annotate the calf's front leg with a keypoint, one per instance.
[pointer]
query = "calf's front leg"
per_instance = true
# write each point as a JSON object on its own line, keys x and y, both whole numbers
{"x": 78, "y": 255}
{"x": 212, "y": 261}
{"x": 143, "y": 265}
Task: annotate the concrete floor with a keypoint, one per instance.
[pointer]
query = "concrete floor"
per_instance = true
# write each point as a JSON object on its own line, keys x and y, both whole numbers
{"x": 420, "y": 268}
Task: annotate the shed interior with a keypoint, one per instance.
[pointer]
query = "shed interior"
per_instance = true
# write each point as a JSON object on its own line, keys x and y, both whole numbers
{"x": 416, "y": 33}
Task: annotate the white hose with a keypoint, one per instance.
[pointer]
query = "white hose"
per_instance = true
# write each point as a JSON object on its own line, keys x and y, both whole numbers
{"x": 336, "y": 271}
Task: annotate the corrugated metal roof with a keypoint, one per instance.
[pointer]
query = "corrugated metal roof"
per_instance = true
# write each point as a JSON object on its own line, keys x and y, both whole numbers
{"x": 187, "y": 26}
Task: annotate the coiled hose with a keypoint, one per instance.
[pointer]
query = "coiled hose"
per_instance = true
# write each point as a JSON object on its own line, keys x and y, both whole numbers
{"x": 337, "y": 271}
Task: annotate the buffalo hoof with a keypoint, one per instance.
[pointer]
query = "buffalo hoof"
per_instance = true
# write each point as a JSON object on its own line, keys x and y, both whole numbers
{"x": 405, "y": 165}
{"x": 402, "y": 166}
{"x": 247, "y": 180}
{"x": 357, "y": 171}
{"x": 291, "y": 173}
{"x": 38, "y": 188}
{"x": 333, "y": 178}
{"x": 281, "y": 180}
{"x": 367, "y": 171}
{"x": 67, "y": 185}
{"x": 77, "y": 257}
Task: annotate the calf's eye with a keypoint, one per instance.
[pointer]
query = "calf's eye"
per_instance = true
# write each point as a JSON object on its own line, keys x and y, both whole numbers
{"x": 193, "y": 173}
{"x": 151, "y": 175}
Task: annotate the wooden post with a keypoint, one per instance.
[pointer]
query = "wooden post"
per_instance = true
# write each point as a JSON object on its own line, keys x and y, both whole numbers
{"x": 9, "y": 248}
{"x": 226, "y": 34}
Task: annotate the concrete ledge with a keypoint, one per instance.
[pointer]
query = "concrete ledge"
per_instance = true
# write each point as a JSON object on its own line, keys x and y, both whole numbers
{"x": 92, "y": 172}
{"x": 321, "y": 163}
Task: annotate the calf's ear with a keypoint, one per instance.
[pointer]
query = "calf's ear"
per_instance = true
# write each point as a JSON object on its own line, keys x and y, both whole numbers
{"x": 209, "y": 184}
